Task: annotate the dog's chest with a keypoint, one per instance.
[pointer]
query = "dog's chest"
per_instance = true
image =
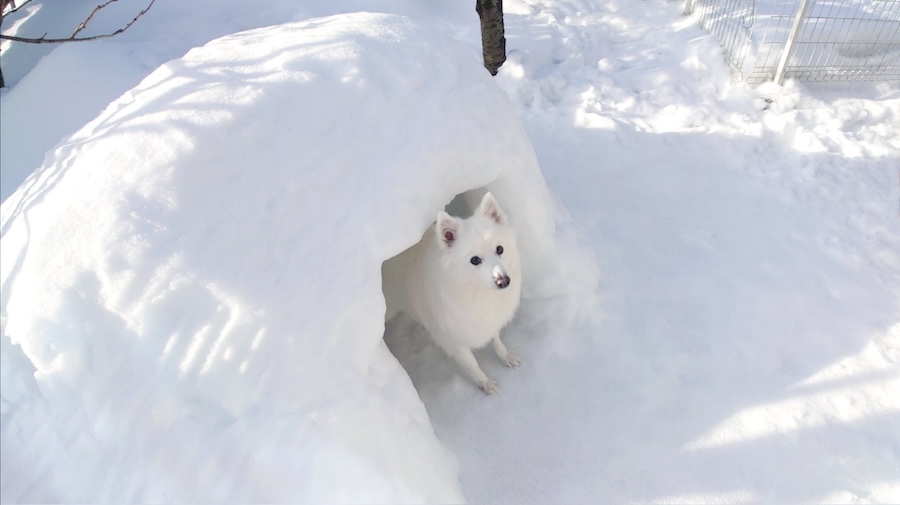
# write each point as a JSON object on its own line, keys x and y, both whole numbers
{"x": 473, "y": 321}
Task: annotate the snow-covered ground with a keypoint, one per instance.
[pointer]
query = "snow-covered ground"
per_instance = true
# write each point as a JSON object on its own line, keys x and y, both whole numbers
{"x": 190, "y": 302}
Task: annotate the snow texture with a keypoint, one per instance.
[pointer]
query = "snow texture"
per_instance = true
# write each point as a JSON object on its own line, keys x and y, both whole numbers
{"x": 202, "y": 262}
{"x": 191, "y": 306}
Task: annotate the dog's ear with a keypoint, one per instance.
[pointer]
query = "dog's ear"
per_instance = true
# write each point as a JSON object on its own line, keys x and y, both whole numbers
{"x": 447, "y": 229}
{"x": 490, "y": 209}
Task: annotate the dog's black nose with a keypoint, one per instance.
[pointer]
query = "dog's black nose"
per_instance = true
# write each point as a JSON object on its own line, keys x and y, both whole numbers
{"x": 502, "y": 282}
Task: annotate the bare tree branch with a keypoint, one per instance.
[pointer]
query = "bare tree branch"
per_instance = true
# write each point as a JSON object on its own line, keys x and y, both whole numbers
{"x": 15, "y": 8}
{"x": 74, "y": 38}
{"x": 88, "y": 19}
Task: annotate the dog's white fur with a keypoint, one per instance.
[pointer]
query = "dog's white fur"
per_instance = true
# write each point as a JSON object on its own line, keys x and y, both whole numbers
{"x": 462, "y": 305}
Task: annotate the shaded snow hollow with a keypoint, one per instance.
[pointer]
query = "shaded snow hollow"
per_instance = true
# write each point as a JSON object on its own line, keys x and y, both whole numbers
{"x": 199, "y": 269}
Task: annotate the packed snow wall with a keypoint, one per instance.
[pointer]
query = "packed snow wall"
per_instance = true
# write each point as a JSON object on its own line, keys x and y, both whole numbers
{"x": 191, "y": 294}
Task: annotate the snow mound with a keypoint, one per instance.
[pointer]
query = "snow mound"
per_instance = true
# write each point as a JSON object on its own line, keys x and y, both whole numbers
{"x": 192, "y": 306}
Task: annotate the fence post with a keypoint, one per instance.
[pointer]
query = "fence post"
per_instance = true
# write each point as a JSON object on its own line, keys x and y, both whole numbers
{"x": 790, "y": 45}
{"x": 688, "y": 7}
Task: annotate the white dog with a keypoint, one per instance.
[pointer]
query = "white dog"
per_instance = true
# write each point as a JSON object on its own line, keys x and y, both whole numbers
{"x": 462, "y": 282}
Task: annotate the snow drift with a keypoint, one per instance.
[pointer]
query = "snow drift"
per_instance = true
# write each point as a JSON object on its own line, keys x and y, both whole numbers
{"x": 199, "y": 267}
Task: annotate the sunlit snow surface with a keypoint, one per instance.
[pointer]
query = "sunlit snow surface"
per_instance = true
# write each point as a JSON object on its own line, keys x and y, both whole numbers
{"x": 199, "y": 269}
{"x": 190, "y": 298}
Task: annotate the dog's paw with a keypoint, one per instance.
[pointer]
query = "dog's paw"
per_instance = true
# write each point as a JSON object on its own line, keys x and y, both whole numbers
{"x": 489, "y": 386}
{"x": 511, "y": 359}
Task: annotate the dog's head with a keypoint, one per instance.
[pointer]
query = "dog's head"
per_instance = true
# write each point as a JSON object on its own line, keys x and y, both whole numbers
{"x": 481, "y": 249}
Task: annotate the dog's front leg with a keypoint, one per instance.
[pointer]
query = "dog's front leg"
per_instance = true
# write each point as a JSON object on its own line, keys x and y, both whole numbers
{"x": 463, "y": 356}
{"x": 507, "y": 356}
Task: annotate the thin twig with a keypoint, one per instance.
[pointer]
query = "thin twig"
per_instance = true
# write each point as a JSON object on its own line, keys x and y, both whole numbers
{"x": 44, "y": 40}
{"x": 14, "y": 9}
{"x": 87, "y": 20}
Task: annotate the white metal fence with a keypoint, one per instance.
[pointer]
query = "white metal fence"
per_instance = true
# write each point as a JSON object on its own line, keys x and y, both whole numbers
{"x": 812, "y": 40}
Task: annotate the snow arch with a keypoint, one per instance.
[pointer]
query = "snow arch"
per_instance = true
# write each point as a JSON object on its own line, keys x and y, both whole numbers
{"x": 193, "y": 279}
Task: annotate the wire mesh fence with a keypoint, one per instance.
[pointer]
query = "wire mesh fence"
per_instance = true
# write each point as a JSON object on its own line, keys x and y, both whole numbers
{"x": 812, "y": 40}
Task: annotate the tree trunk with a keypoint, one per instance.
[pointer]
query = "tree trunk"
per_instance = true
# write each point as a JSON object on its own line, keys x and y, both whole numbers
{"x": 2, "y": 82}
{"x": 493, "y": 37}
{"x": 3, "y": 5}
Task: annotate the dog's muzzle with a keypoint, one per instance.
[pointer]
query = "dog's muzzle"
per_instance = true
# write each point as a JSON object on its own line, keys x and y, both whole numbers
{"x": 501, "y": 280}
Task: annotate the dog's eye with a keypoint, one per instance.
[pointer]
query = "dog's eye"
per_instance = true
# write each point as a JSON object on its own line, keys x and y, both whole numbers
{"x": 475, "y": 260}
{"x": 499, "y": 250}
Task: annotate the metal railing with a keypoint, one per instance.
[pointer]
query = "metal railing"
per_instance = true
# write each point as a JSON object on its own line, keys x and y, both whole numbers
{"x": 811, "y": 40}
